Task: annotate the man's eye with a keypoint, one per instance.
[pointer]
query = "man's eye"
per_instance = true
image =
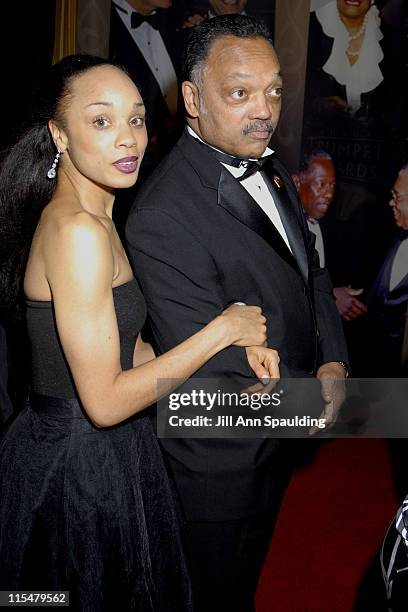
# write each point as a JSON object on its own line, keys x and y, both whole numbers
{"x": 100, "y": 121}
{"x": 238, "y": 94}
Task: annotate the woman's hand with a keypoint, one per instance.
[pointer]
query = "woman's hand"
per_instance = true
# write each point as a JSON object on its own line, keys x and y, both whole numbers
{"x": 264, "y": 362}
{"x": 245, "y": 325}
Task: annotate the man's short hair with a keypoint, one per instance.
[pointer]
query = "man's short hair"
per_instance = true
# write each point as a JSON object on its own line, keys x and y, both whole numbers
{"x": 203, "y": 36}
{"x": 309, "y": 155}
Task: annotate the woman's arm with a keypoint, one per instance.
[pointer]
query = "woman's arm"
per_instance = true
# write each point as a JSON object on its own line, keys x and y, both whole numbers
{"x": 143, "y": 352}
{"x": 79, "y": 269}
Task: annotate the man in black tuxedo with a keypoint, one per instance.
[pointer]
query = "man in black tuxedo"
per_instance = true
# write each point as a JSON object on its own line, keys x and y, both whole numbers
{"x": 144, "y": 38}
{"x": 210, "y": 227}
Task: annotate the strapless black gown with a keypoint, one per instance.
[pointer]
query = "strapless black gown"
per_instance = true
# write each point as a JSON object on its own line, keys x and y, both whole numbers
{"x": 83, "y": 509}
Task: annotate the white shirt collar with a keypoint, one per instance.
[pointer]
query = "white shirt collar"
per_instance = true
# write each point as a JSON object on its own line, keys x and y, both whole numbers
{"x": 240, "y": 170}
{"x": 257, "y": 189}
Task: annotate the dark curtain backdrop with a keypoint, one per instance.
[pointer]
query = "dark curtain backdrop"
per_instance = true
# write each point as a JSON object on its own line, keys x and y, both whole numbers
{"x": 27, "y": 42}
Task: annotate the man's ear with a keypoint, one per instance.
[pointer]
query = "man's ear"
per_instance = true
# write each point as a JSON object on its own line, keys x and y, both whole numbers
{"x": 191, "y": 99}
{"x": 296, "y": 180}
{"x": 58, "y": 135}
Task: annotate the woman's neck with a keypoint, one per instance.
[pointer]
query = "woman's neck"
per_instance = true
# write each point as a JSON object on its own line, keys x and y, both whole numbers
{"x": 93, "y": 198}
{"x": 353, "y": 24}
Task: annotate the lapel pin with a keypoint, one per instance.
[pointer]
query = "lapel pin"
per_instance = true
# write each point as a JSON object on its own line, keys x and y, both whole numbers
{"x": 277, "y": 181}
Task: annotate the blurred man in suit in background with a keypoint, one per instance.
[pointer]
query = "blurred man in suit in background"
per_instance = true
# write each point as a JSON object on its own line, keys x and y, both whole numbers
{"x": 387, "y": 300}
{"x": 144, "y": 38}
{"x": 316, "y": 184}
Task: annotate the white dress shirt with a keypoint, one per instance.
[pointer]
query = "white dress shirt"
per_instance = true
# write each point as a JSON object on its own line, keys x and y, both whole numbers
{"x": 399, "y": 265}
{"x": 257, "y": 189}
{"x": 153, "y": 49}
{"x": 319, "y": 245}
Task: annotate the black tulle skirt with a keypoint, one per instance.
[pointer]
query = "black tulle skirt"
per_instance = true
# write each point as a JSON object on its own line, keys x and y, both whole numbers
{"x": 90, "y": 511}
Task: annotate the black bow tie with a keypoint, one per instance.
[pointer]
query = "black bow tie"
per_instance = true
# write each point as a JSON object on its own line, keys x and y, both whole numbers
{"x": 136, "y": 20}
{"x": 251, "y": 166}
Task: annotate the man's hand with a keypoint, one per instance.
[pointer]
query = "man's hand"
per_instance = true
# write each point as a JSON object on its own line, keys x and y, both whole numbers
{"x": 331, "y": 104}
{"x": 192, "y": 21}
{"x": 331, "y": 376}
{"x": 348, "y": 306}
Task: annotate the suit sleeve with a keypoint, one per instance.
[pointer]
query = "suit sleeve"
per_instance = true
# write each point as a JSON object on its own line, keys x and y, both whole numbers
{"x": 181, "y": 285}
{"x": 331, "y": 336}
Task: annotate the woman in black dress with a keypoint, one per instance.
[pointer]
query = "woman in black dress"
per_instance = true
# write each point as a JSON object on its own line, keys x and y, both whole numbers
{"x": 85, "y": 501}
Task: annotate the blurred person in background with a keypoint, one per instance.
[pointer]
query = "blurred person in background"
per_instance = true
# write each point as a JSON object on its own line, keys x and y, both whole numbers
{"x": 354, "y": 61}
{"x": 316, "y": 182}
{"x": 387, "y": 301}
{"x": 144, "y": 38}
{"x": 216, "y": 8}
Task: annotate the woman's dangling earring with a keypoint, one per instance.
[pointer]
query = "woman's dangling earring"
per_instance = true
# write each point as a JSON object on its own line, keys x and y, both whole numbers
{"x": 52, "y": 172}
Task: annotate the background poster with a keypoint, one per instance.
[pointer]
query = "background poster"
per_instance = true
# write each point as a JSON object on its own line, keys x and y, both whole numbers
{"x": 355, "y": 109}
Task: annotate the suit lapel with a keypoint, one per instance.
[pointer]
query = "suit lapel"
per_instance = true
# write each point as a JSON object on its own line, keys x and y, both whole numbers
{"x": 235, "y": 199}
{"x": 382, "y": 285}
{"x": 287, "y": 212}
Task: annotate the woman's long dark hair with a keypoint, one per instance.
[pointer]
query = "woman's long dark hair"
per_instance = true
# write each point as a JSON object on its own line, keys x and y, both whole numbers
{"x": 24, "y": 187}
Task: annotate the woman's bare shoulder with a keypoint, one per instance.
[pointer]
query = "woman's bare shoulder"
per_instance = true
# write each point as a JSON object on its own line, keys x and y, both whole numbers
{"x": 70, "y": 220}
{"x": 73, "y": 238}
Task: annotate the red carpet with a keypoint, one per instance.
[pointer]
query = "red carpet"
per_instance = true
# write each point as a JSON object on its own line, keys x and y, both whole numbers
{"x": 333, "y": 519}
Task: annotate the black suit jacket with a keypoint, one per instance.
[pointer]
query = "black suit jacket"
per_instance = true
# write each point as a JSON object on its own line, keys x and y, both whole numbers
{"x": 123, "y": 50}
{"x": 199, "y": 242}
{"x": 387, "y": 310}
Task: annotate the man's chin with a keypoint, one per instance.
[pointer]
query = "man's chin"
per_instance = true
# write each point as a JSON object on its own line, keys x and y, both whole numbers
{"x": 255, "y": 150}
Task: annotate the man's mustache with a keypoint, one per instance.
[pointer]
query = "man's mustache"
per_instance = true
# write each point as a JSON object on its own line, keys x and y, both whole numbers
{"x": 259, "y": 126}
